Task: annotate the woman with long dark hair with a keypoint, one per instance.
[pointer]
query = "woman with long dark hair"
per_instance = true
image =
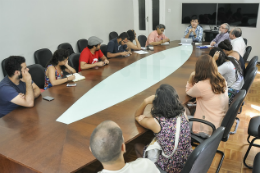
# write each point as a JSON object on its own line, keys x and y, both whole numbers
{"x": 209, "y": 88}
{"x": 162, "y": 120}
{"x": 229, "y": 68}
{"x": 55, "y": 68}
{"x": 132, "y": 37}
{"x": 228, "y": 50}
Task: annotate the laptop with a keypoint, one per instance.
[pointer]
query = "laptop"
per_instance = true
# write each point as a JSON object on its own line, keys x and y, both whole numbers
{"x": 186, "y": 41}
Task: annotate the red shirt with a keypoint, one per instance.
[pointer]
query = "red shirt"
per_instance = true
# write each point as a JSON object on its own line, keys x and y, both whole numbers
{"x": 88, "y": 57}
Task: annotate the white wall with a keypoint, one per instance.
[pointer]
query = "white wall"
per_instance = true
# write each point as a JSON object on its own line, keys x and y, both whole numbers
{"x": 175, "y": 30}
{"x": 29, "y": 25}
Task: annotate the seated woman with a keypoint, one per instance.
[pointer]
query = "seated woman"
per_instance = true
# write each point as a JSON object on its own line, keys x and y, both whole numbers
{"x": 166, "y": 108}
{"x": 210, "y": 90}
{"x": 229, "y": 68}
{"x": 227, "y": 48}
{"x": 132, "y": 37}
{"x": 54, "y": 70}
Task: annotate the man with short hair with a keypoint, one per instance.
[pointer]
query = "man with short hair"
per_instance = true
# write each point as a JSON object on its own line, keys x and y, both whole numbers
{"x": 17, "y": 88}
{"x": 89, "y": 57}
{"x": 117, "y": 46}
{"x": 223, "y": 35}
{"x": 107, "y": 145}
{"x": 157, "y": 37}
{"x": 237, "y": 41}
{"x": 194, "y": 31}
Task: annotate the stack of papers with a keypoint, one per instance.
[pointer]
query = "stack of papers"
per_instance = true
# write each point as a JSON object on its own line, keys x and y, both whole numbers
{"x": 77, "y": 77}
{"x": 141, "y": 52}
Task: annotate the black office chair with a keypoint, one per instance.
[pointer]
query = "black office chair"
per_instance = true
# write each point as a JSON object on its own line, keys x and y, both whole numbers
{"x": 200, "y": 159}
{"x": 249, "y": 78}
{"x": 3, "y": 67}
{"x": 103, "y": 48}
{"x": 74, "y": 61}
{"x": 112, "y": 35}
{"x": 142, "y": 39}
{"x": 245, "y": 40}
{"x": 256, "y": 167}
{"x": 82, "y": 44}
{"x": 227, "y": 122}
{"x": 253, "y": 130}
{"x": 247, "y": 53}
{"x": 38, "y": 74}
{"x": 42, "y": 56}
{"x": 252, "y": 63}
{"x": 66, "y": 46}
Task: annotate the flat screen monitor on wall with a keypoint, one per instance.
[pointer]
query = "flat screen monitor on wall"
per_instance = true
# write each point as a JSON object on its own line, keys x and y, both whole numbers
{"x": 205, "y": 11}
{"x": 244, "y": 14}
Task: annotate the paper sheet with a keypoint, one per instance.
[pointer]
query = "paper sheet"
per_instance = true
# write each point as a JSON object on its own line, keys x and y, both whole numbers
{"x": 141, "y": 52}
{"x": 166, "y": 43}
{"x": 77, "y": 77}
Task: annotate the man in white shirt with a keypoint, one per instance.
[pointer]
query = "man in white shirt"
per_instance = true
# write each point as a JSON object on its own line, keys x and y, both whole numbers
{"x": 237, "y": 41}
{"x": 107, "y": 145}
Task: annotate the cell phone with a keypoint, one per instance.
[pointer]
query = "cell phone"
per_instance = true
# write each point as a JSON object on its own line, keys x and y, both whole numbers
{"x": 71, "y": 84}
{"x": 48, "y": 98}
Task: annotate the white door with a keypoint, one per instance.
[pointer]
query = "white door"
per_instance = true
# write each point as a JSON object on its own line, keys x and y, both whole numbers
{"x": 148, "y": 14}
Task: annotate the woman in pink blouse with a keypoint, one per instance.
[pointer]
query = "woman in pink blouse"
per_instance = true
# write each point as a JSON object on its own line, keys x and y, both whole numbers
{"x": 210, "y": 90}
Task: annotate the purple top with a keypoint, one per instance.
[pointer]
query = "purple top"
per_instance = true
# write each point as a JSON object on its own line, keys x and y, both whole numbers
{"x": 220, "y": 37}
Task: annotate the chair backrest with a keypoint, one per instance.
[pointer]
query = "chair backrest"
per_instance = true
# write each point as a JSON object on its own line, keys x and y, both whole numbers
{"x": 66, "y": 46}
{"x": 252, "y": 63}
{"x": 249, "y": 78}
{"x": 200, "y": 159}
{"x": 38, "y": 74}
{"x": 246, "y": 55}
{"x": 3, "y": 67}
{"x": 112, "y": 35}
{"x": 256, "y": 166}
{"x": 82, "y": 44}
{"x": 42, "y": 56}
{"x": 74, "y": 61}
{"x": 245, "y": 40}
{"x": 142, "y": 39}
{"x": 231, "y": 114}
{"x": 103, "y": 48}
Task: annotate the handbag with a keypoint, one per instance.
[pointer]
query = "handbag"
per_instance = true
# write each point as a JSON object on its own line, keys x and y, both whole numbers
{"x": 231, "y": 94}
{"x": 154, "y": 150}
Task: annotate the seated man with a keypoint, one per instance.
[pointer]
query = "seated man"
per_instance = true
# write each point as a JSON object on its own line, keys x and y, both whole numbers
{"x": 90, "y": 55}
{"x": 107, "y": 145}
{"x": 223, "y": 35}
{"x": 117, "y": 46}
{"x": 157, "y": 37}
{"x": 17, "y": 88}
{"x": 194, "y": 31}
{"x": 237, "y": 41}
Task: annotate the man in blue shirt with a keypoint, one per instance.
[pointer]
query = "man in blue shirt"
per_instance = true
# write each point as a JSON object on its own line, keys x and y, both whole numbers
{"x": 117, "y": 46}
{"x": 194, "y": 31}
{"x": 17, "y": 88}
